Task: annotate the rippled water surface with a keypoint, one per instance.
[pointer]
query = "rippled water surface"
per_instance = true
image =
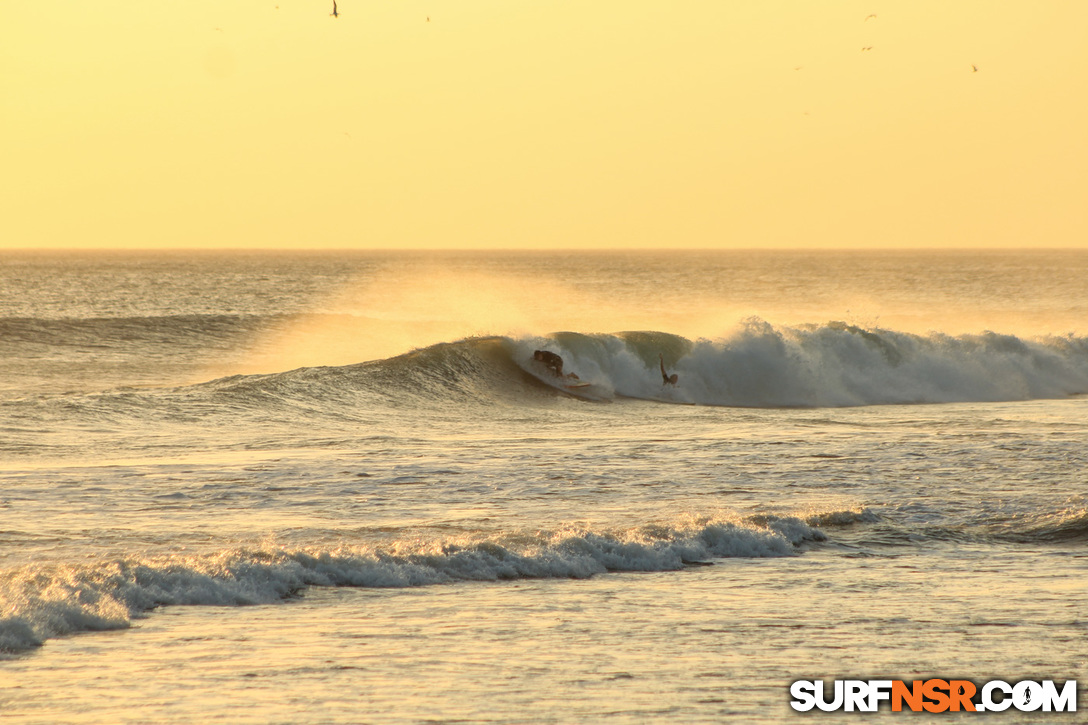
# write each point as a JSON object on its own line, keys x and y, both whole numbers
{"x": 336, "y": 488}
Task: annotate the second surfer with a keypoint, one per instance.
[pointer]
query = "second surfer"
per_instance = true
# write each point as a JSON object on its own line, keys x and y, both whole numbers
{"x": 669, "y": 379}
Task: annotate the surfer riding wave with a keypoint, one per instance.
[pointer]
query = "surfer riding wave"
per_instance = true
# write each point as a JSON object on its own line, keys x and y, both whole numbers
{"x": 553, "y": 363}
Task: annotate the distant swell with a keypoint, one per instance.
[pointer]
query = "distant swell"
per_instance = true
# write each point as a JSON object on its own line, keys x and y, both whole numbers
{"x": 119, "y": 332}
{"x": 40, "y": 602}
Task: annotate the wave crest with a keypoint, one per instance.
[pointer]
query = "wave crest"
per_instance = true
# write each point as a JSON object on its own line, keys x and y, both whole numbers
{"x": 760, "y": 365}
{"x": 43, "y": 602}
{"x": 834, "y": 364}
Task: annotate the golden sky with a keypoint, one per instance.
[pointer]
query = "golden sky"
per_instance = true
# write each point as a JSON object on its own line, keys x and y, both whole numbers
{"x": 544, "y": 124}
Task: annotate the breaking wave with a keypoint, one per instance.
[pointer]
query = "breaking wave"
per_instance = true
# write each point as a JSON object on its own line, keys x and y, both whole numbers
{"x": 760, "y": 365}
{"x": 39, "y": 602}
{"x": 834, "y": 364}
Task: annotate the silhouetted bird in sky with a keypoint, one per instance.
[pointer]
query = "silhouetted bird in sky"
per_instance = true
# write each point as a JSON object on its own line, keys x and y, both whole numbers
{"x": 871, "y": 15}
{"x": 974, "y": 69}
{"x": 334, "y": 13}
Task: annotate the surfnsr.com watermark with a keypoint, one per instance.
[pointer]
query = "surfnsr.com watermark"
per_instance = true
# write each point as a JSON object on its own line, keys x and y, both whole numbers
{"x": 934, "y": 695}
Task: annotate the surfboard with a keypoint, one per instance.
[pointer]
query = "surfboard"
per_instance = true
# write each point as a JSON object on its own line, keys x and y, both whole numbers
{"x": 588, "y": 391}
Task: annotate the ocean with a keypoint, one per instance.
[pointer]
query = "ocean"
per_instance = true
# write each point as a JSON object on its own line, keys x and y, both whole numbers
{"x": 336, "y": 487}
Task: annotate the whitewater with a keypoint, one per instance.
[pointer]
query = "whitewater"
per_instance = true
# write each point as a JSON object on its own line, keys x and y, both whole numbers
{"x": 335, "y": 487}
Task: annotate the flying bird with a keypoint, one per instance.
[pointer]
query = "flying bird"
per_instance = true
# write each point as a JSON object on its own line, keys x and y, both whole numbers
{"x": 871, "y": 15}
{"x": 868, "y": 47}
{"x": 334, "y": 13}
{"x": 974, "y": 69}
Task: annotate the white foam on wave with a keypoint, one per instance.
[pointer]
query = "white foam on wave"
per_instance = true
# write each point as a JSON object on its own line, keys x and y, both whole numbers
{"x": 835, "y": 364}
{"x": 39, "y": 602}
